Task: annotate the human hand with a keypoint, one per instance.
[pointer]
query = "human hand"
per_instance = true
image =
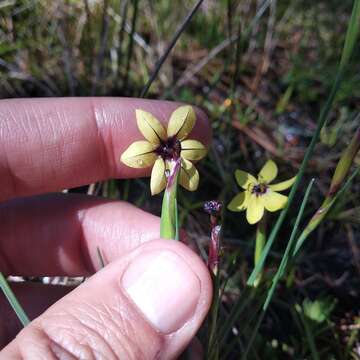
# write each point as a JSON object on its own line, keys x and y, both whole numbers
{"x": 151, "y": 298}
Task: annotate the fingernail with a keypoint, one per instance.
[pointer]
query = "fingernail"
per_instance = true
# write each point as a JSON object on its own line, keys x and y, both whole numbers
{"x": 164, "y": 288}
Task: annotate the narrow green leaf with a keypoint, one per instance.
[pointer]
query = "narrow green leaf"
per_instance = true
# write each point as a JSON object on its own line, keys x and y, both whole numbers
{"x": 351, "y": 34}
{"x": 248, "y": 294}
{"x": 309, "y": 337}
{"x": 130, "y": 52}
{"x": 253, "y": 335}
{"x": 307, "y": 231}
{"x": 13, "y": 301}
{"x": 289, "y": 247}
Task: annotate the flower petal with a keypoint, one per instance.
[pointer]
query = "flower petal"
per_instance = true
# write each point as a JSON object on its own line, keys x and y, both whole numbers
{"x": 192, "y": 150}
{"x": 150, "y": 127}
{"x": 158, "y": 178}
{"x": 181, "y": 122}
{"x": 274, "y": 201}
{"x": 244, "y": 179}
{"x": 269, "y": 172}
{"x": 255, "y": 209}
{"x": 239, "y": 202}
{"x": 139, "y": 155}
{"x": 189, "y": 176}
{"x": 283, "y": 185}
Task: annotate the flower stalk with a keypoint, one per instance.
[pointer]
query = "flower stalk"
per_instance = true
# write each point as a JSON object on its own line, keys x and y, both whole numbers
{"x": 169, "y": 227}
{"x": 214, "y": 208}
{"x": 259, "y": 245}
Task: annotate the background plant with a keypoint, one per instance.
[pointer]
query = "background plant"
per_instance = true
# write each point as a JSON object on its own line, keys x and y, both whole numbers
{"x": 262, "y": 70}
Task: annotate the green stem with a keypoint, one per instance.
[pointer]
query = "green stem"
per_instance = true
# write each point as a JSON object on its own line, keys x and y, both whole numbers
{"x": 287, "y": 254}
{"x": 169, "y": 226}
{"x": 259, "y": 245}
{"x": 310, "y": 338}
{"x": 13, "y": 301}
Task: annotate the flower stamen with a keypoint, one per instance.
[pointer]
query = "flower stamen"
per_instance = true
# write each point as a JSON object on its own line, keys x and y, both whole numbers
{"x": 169, "y": 149}
{"x": 259, "y": 189}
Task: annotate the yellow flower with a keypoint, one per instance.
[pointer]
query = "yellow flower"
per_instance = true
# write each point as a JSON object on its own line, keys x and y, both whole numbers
{"x": 162, "y": 146}
{"x": 259, "y": 194}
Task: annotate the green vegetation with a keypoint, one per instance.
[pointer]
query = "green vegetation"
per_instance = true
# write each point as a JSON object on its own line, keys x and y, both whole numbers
{"x": 269, "y": 74}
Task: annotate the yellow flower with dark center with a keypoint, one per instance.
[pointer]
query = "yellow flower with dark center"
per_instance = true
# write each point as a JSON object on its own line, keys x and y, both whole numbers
{"x": 259, "y": 194}
{"x": 163, "y": 146}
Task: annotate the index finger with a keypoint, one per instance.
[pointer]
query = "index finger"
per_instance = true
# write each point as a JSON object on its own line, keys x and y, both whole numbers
{"x": 50, "y": 144}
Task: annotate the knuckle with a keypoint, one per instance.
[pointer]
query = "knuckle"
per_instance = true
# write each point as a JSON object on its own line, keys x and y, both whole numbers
{"x": 104, "y": 137}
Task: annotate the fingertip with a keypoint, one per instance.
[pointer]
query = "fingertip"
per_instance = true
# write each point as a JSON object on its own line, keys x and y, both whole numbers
{"x": 202, "y": 130}
{"x": 185, "y": 289}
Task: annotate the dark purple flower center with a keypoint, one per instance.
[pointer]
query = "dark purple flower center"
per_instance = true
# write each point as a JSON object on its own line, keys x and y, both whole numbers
{"x": 259, "y": 189}
{"x": 169, "y": 149}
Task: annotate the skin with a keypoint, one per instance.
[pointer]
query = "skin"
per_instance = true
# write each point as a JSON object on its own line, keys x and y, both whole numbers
{"x": 47, "y": 145}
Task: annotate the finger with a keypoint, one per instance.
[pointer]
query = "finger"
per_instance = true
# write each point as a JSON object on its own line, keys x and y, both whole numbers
{"x": 52, "y": 144}
{"x": 148, "y": 304}
{"x": 58, "y": 234}
{"x": 35, "y": 298}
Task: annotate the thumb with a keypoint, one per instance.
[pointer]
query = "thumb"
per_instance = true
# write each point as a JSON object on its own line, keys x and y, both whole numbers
{"x": 146, "y": 305}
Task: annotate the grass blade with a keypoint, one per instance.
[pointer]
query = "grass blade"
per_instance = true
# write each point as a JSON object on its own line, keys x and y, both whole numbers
{"x": 253, "y": 334}
{"x": 309, "y": 337}
{"x": 13, "y": 300}
{"x": 351, "y": 34}
{"x": 131, "y": 43}
{"x": 245, "y": 299}
{"x": 162, "y": 59}
{"x": 303, "y": 236}
{"x": 289, "y": 247}
{"x": 99, "y": 64}
{"x": 247, "y": 325}
{"x": 123, "y": 14}
{"x": 190, "y": 73}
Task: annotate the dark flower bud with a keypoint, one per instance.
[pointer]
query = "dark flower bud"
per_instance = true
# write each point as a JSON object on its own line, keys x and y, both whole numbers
{"x": 213, "y": 207}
